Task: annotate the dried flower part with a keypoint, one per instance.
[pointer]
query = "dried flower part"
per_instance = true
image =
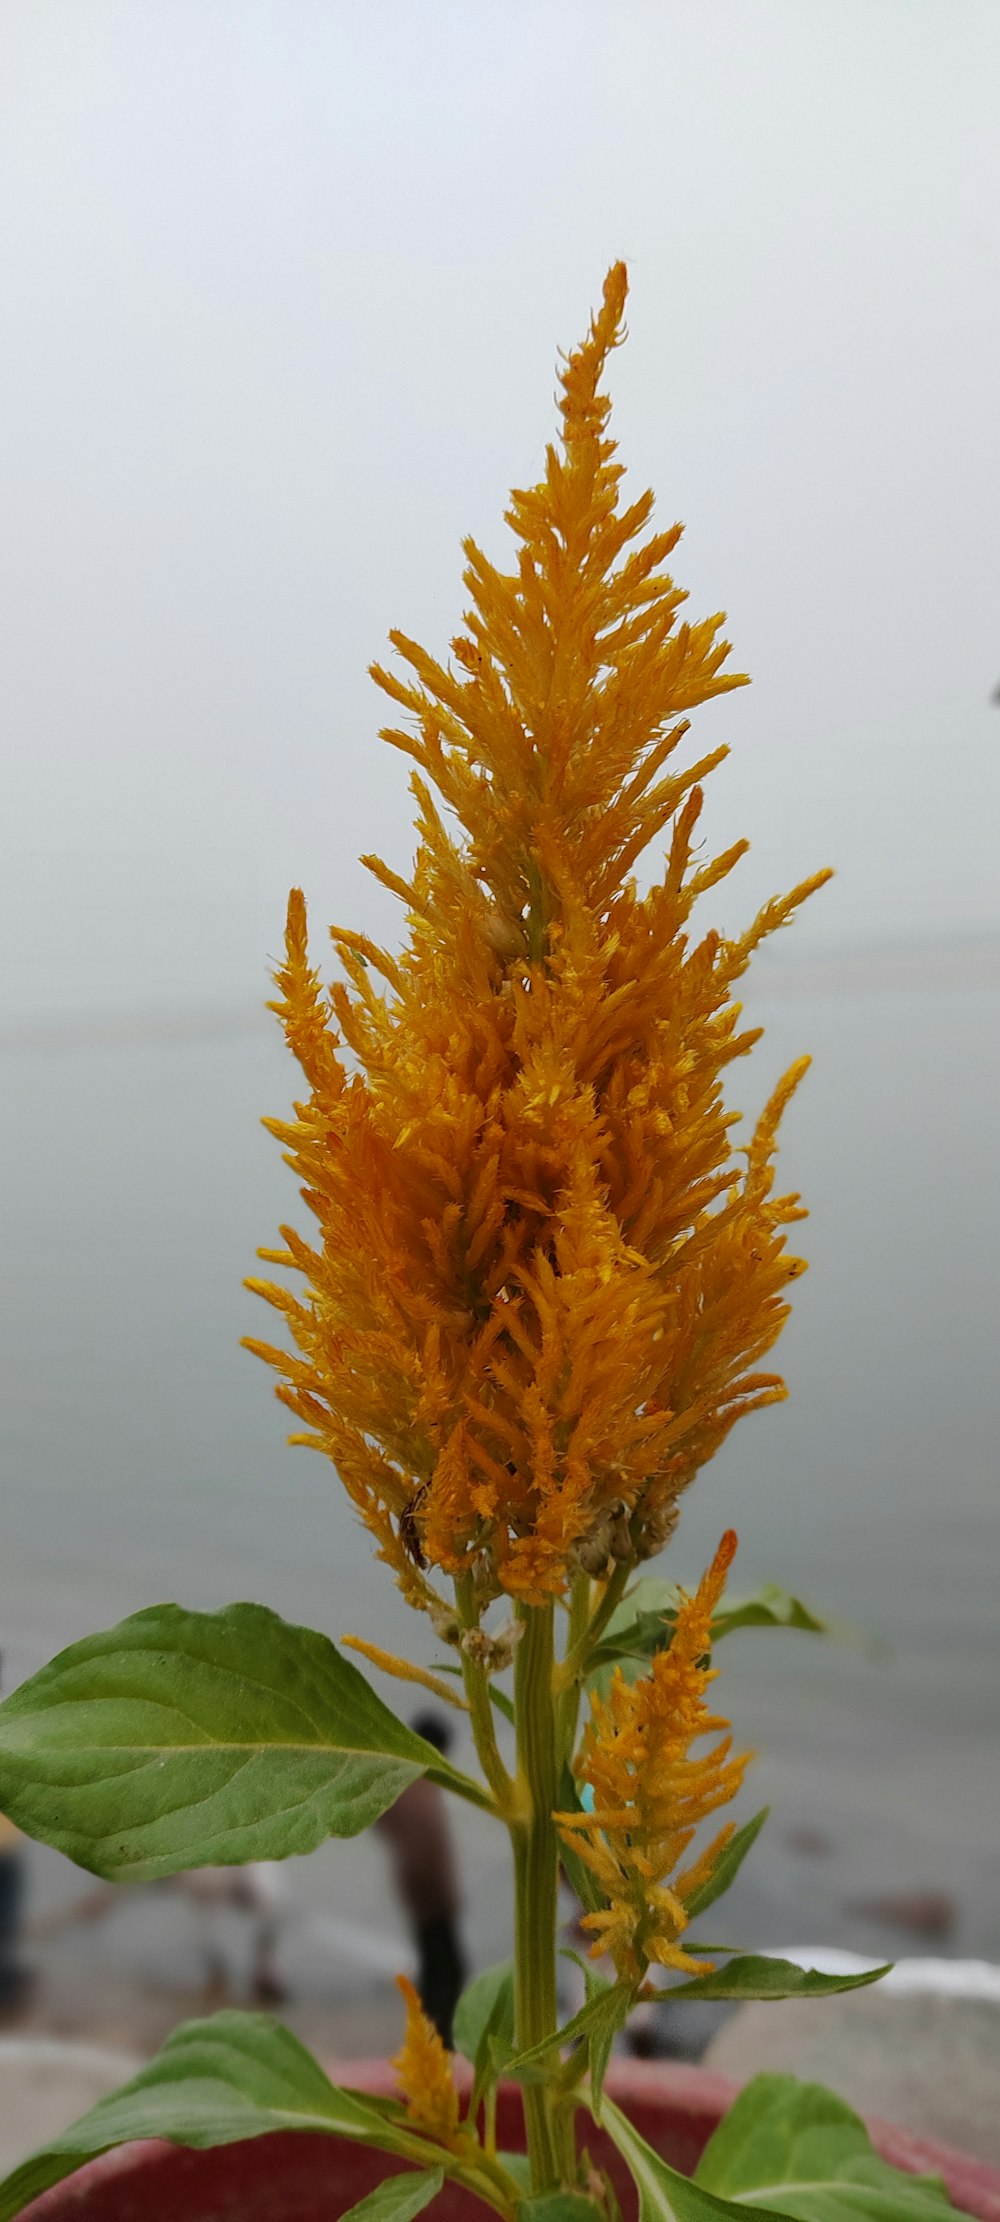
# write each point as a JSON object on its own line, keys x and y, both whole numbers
{"x": 649, "y": 1793}
{"x": 493, "y": 1653}
{"x": 610, "y": 1542}
{"x": 445, "y": 1622}
{"x": 424, "y": 2071}
{"x": 543, "y": 1279}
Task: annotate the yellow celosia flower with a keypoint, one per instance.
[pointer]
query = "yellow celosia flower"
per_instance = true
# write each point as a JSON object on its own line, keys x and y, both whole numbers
{"x": 425, "y": 2078}
{"x": 542, "y": 1284}
{"x": 649, "y": 1794}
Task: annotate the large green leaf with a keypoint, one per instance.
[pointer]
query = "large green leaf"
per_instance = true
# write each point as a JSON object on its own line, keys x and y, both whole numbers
{"x": 215, "y": 2082}
{"x": 799, "y": 2149}
{"x": 726, "y": 1868}
{"x": 398, "y": 2199}
{"x": 183, "y": 1739}
{"x": 664, "y": 2194}
{"x": 753, "y": 1975}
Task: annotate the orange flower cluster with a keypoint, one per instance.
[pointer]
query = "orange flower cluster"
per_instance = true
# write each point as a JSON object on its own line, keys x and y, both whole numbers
{"x": 425, "y": 2079}
{"x": 542, "y": 1281}
{"x": 649, "y": 1794}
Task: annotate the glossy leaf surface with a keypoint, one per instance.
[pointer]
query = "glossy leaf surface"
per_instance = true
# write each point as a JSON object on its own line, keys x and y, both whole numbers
{"x": 182, "y": 1739}
{"x": 754, "y": 1975}
{"x": 399, "y": 2198}
{"x": 214, "y": 2082}
{"x": 644, "y": 1624}
{"x": 664, "y": 2194}
{"x": 728, "y": 1866}
{"x": 606, "y": 2009}
{"x": 798, "y": 2148}
{"x": 486, "y": 2008}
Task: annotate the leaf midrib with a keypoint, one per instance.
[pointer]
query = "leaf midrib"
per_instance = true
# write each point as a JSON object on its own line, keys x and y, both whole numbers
{"x": 245, "y": 1684}
{"x": 839, "y": 2184}
{"x": 233, "y": 1743}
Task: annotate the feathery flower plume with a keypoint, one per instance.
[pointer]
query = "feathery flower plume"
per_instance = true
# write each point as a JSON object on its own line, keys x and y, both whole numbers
{"x": 424, "y": 2070}
{"x": 542, "y": 1281}
{"x": 650, "y": 1794}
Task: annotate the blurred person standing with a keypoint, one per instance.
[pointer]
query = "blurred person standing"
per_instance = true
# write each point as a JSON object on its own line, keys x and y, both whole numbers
{"x": 12, "y": 1974}
{"x": 13, "y": 1977}
{"x": 256, "y": 1889}
{"x": 425, "y": 1872}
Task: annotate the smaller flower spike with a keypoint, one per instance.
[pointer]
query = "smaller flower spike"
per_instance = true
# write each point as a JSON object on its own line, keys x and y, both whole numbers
{"x": 649, "y": 1794}
{"x": 425, "y": 2078}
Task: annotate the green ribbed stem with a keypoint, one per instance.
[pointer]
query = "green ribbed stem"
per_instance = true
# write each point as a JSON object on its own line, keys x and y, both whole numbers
{"x": 536, "y": 1873}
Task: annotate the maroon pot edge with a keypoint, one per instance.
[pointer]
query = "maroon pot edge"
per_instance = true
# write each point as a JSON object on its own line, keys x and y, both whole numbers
{"x": 674, "y": 2106}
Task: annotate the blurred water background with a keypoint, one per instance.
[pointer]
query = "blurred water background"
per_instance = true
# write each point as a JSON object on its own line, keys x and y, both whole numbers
{"x": 144, "y": 1455}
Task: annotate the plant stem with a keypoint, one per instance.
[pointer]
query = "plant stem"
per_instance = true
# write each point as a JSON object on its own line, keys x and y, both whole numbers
{"x": 536, "y": 1869}
{"x": 477, "y": 1691}
{"x": 569, "y": 1692}
{"x": 578, "y": 1655}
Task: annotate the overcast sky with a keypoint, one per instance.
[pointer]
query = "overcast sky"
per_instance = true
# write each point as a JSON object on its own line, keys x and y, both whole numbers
{"x": 283, "y": 283}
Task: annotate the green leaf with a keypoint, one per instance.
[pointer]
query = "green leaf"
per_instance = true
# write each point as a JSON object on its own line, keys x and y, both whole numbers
{"x": 398, "y": 2199}
{"x": 486, "y": 2007}
{"x": 664, "y": 2194}
{"x": 727, "y": 1868}
{"x": 752, "y": 1975}
{"x": 183, "y": 1739}
{"x": 644, "y": 1624}
{"x": 630, "y": 1640}
{"x": 214, "y": 2083}
{"x": 484, "y": 2025}
{"x": 799, "y": 2148}
{"x": 602, "y": 2033}
{"x": 772, "y": 1607}
{"x": 604, "y": 2027}
{"x": 519, "y": 2166}
{"x": 607, "y": 2007}
{"x": 501, "y": 2062}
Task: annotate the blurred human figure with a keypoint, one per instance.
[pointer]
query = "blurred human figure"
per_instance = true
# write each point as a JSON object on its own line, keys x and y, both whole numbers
{"x": 425, "y": 1873}
{"x": 256, "y": 1889}
{"x": 13, "y": 1977}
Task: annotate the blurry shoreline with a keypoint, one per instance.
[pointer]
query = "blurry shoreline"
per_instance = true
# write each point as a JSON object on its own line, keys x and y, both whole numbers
{"x": 144, "y": 1457}
{"x": 966, "y": 960}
